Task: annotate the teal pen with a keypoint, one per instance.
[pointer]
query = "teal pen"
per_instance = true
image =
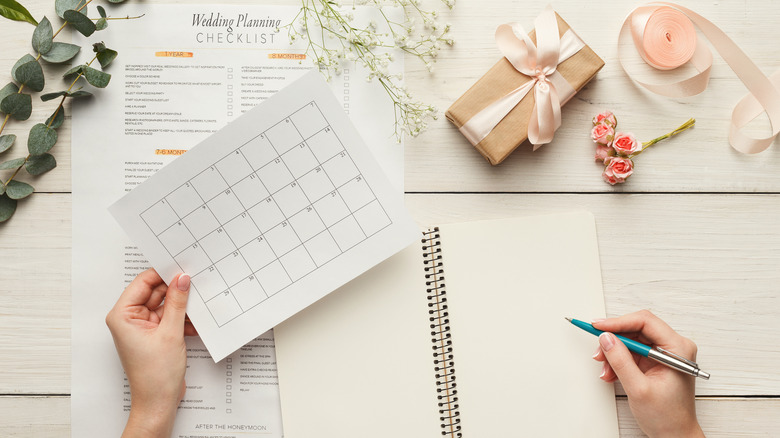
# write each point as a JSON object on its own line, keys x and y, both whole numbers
{"x": 658, "y": 354}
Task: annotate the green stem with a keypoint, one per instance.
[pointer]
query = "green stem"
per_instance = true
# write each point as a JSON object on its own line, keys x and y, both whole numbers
{"x": 118, "y": 18}
{"x": 679, "y": 129}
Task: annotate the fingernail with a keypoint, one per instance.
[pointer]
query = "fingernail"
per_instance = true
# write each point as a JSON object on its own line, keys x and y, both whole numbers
{"x": 607, "y": 341}
{"x": 184, "y": 283}
{"x": 596, "y": 354}
{"x": 603, "y": 371}
{"x": 597, "y": 320}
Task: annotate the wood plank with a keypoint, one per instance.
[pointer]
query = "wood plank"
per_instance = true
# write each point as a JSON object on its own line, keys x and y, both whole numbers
{"x": 707, "y": 264}
{"x": 720, "y": 417}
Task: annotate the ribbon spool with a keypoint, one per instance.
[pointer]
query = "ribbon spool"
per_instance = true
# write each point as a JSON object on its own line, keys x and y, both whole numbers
{"x": 664, "y": 35}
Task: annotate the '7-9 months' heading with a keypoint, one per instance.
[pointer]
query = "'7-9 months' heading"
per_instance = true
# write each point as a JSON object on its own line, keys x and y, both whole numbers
{"x": 227, "y": 35}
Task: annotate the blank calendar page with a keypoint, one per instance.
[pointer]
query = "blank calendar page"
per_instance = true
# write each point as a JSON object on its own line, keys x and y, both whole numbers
{"x": 268, "y": 215}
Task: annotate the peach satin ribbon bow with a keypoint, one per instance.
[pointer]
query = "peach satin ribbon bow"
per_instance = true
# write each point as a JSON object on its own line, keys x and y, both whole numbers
{"x": 539, "y": 62}
{"x": 664, "y": 35}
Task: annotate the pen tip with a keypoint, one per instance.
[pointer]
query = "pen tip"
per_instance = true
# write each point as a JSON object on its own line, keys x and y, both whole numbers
{"x": 567, "y": 318}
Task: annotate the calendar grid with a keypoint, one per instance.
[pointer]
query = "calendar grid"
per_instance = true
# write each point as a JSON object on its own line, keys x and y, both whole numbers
{"x": 267, "y": 214}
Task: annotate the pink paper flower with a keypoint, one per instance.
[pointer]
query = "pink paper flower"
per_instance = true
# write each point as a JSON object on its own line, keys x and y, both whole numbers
{"x": 602, "y": 134}
{"x": 625, "y": 144}
{"x": 618, "y": 170}
{"x": 604, "y": 152}
{"x": 606, "y": 118}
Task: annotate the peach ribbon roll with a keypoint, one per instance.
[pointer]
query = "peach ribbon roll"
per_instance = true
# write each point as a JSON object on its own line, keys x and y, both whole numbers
{"x": 664, "y": 35}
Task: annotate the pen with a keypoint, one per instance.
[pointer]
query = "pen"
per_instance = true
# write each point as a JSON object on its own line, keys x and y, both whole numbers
{"x": 658, "y": 354}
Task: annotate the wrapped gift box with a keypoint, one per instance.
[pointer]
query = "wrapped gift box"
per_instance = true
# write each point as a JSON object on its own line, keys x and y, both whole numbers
{"x": 501, "y": 79}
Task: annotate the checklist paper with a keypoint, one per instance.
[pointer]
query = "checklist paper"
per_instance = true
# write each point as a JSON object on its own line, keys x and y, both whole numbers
{"x": 268, "y": 215}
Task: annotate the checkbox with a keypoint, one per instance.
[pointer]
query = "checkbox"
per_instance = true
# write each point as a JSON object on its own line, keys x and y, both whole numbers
{"x": 346, "y": 84}
{"x": 346, "y": 91}
{"x": 230, "y": 69}
{"x": 230, "y": 76}
{"x": 230, "y": 86}
{"x": 230, "y": 93}
{"x": 229, "y": 394}
{"x": 229, "y": 411}
{"x": 230, "y": 373}
{"x": 230, "y": 107}
{"x": 346, "y": 98}
{"x": 346, "y": 106}
{"x": 229, "y": 380}
{"x": 229, "y": 387}
{"x": 230, "y": 100}
{"x": 230, "y": 367}
{"x": 230, "y": 113}
{"x": 229, "y": 400}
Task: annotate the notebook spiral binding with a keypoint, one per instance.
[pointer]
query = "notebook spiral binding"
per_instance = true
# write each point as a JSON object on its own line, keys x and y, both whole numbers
{"x": 443, "y": 362}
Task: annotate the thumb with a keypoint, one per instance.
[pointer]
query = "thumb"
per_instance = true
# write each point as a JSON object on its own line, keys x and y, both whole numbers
{"x": 621, "y": 361}
{"x": 175, "y": 306}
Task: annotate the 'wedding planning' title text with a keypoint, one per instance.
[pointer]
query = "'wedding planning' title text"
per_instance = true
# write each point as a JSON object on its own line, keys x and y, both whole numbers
{"x": 240, "y": 29}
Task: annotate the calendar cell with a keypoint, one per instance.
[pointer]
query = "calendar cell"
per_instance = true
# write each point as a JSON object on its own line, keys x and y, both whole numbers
{"x": 300, "y": 160}
{"x": 257, "y": 253}
{"x": 250, "y": 191}
{"x": 291, "y": 199}
{"x": 309, "y": 120}
{"x": 225, "y": 206}
{"x": 176, "y": 238}
{"x": 233, "y": 268}
{"x": 322, "y": 248}
{"x": 356, "y": 193}
{"x": 209, "y": 283}
{"x": 324, "y": 144}
{"x": 340, "y": 169}
{"x": 307, "y": 223}
{"x": 266, "y": 214}
{"x": 159, "y": 217}
{"x": 258, "y": 152}
{"x": 372, "y": 218}
{"x": 224, "y": 307}
{"x": 273, "y": 278}
{"x": 331, "y": 208}
{"x": 248, "y": 292}
{"x": 241, "y": 229}
{"x": 316, "y": 184}
{"x": 217, "y": 244}
{"x": 297, "y": 263}
{"x": 283, "y": 136}
{"x": 209, "y": 183}
{"x": 275, "y": 175}
{"x": 193, "y": 259}
{"x": 347, "y": 233}
{"x": 234, "y": 167}
{"x": 282, "y": 238}
{"x": 201, "y": 222}
{"x": 184, "y": 200}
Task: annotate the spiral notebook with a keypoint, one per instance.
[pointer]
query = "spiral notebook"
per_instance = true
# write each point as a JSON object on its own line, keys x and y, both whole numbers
{"x": 460, "y": 335}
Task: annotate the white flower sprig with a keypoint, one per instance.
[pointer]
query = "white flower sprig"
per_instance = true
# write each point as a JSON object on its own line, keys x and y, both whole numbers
{"x": 333, "y": 39}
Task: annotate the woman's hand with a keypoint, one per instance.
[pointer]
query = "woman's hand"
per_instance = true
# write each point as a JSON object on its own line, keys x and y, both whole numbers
{"x": 661, "y": 399}
{"x": 149, "y": 337}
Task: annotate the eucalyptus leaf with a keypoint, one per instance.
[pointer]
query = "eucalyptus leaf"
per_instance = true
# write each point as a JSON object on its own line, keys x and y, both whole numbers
{"x": 106, "y": 56}
{"x": 55, "y": 120}
{"x": 61, "y": 52}
{"x": 7, "y": 207}
{"x": 18, "y": 190}
{"x": 72, "y": 73}
{"x": 41, "y": 39}
{"x": 9, "y": 89}
{"x": 101, "y": 24}
{"x": 98, "y": 47}
{"x": 2, "y": 188}
{"x": 49, "y": 96}
{"x": 31, "y": 75}
{"x": 6, "y": 141}
{"x": 23, "y": 60}
{"x": 40, "y": 164}
{"x": 80, "y": 93}
{"x": 64, "y": 5}
{"x": 96, "y": 77}
{"x": 101, "y": 11}
{"x": 12, "y": 10}
{"x": 41, "y": 139}
{"x": 116, "y": 1}
{"x": 18, "y": 105}
{"x": 12, "y": 164}
{"x": 80, "y": 22}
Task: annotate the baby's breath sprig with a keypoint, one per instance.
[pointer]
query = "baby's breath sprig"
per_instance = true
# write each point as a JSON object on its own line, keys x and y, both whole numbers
{"x": 333, "y": 38}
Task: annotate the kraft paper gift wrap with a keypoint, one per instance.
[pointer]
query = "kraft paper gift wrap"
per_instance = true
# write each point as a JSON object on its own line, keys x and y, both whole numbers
{"x": 501, "y": 80}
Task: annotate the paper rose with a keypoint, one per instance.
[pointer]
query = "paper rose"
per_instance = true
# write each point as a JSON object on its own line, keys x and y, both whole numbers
{"x": 616, "y": 150}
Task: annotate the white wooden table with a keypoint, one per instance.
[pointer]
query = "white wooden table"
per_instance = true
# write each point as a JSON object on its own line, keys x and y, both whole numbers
{"x": 694, "y": 235}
